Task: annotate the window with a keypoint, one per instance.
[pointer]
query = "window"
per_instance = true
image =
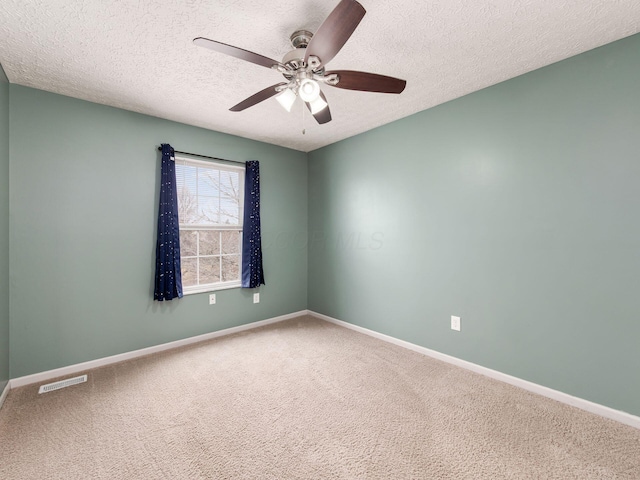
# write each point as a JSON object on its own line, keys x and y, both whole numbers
{"x": 210, "y": 198}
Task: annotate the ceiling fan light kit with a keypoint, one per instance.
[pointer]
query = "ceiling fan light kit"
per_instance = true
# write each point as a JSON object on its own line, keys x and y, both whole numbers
{"x": 309, "y": 90}
{"x": 287, "y": 98}
{"x": 318, "y": 105}
{"x": 304, "y": 66}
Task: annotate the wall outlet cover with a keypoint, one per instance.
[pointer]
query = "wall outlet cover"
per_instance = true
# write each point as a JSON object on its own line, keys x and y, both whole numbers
{"x": 256, "y": 298}
{"x": 212, "y": 299}
{"x": 455, "y": 323}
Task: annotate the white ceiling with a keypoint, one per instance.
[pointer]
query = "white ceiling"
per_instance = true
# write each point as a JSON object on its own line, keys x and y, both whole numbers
{"x": 138, "y": 55}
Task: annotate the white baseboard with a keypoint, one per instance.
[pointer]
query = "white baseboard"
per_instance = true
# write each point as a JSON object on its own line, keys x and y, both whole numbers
{"x": 5, "y": 392}
{"x": 603, "y": 411}
{"x": 100, "y": 362}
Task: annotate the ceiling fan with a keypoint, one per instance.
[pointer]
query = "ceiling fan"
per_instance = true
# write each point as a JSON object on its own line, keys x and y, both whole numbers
{"x": 304, "y": 67}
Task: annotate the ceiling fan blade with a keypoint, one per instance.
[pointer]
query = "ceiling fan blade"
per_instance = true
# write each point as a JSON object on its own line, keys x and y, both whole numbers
{"x": 257, "y": 98}
{"x": 367, "y": 82}
{"x": 324, "y": 115}
{"x": 235, "y": 52}
{"x": 335, "y": 31}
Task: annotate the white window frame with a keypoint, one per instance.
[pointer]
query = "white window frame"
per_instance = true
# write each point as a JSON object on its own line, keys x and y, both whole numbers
{"x": 212, "y": 287}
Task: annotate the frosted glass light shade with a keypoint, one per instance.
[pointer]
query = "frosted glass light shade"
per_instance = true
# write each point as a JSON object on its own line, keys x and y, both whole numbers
{"x": 286, "y": 99}
{"x": 309, "y": 90}
{"x": 317, "y": 105}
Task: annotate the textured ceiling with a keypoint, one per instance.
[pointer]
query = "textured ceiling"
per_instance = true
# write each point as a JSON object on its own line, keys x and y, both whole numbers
{"x": 138, "y": 55}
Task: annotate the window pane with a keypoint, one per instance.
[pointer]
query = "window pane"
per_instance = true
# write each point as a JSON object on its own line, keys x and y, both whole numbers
{"x": 209, "y": 270}
{"x": 188, "y": 243}
{"x": 230, "y": 242}
{"x": 231, "y": 268}
{"x": 189, "y": 275}
{"x": 209, "y": 182}
{"x": 209, "y": 242}
{"x": 229, "y": 184}
{"x": 187, "y": 201}
{"x": 229, "y": 211}
{"x": 229, "y": 198}
{"x": 208, "y": 210}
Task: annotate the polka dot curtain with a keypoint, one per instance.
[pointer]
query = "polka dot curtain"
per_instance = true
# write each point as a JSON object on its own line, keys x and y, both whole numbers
{"x": 252, "y": 272}
{"x": 168, "y": 275}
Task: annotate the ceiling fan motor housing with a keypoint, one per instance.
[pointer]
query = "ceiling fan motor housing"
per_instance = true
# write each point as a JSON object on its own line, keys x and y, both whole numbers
{"x": 294, "y": 59}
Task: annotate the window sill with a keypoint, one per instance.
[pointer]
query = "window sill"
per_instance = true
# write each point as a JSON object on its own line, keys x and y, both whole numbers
{"x": 211, "y": 288}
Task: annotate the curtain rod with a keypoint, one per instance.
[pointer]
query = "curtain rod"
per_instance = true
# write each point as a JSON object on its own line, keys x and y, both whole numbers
{"x": 204, "y": 156}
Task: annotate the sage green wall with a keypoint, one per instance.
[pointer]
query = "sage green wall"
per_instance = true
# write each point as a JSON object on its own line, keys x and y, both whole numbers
{"x": 4, "y": 229}
{"x": 516, "y": 208}
{"x": 83, "y": 218}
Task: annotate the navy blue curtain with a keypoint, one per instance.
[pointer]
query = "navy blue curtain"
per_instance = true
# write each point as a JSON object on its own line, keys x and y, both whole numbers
{"x": 252, "y": 273}
{"x": 168, "y": 274}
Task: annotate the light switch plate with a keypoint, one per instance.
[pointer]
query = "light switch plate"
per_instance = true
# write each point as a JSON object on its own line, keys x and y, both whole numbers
{"x": 212, "y": 299}
{"x": 256, "y": 298}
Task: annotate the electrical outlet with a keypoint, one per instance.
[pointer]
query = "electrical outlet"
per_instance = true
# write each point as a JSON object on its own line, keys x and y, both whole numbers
{"x": 455, "y": 323}
{"x": 256, "y": 298}
{"x": 212, "y": 299}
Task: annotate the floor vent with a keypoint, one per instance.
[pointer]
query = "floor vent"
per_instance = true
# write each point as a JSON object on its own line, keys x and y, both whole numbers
{"x": 62, "y": 383}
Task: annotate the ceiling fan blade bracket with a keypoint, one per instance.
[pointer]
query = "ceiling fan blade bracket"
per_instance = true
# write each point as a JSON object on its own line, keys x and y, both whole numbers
{"x": 282, "y": 69}
{"x": 332, "y": 79}
{"x": 313, "y": 62}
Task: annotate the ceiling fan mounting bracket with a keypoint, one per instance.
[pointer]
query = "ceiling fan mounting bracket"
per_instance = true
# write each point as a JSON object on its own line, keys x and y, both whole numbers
{"x": 300, "y": 38}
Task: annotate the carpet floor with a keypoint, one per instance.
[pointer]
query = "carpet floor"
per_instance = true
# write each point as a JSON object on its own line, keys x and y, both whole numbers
{"x": 303, "y": 399}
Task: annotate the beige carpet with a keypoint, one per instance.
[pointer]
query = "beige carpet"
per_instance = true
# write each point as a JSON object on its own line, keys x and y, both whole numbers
{"x": 303, "y": 399}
